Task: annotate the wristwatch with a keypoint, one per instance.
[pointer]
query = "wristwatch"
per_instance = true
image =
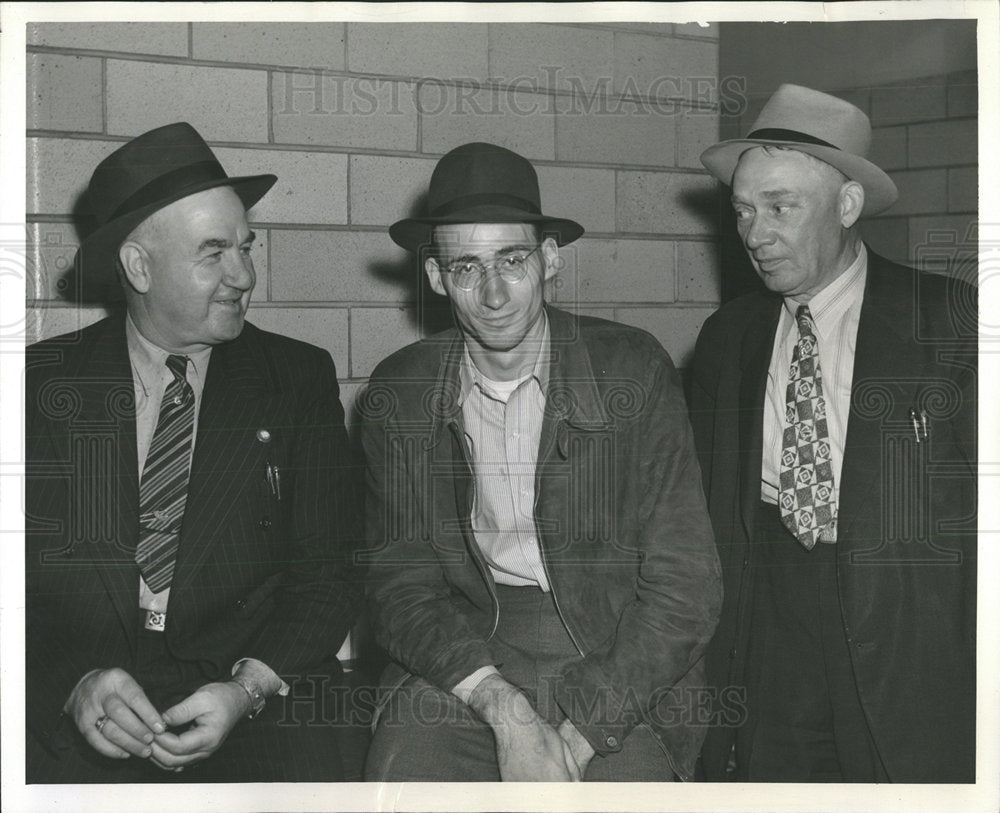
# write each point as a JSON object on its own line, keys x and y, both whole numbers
{"x": 255, "y": 694}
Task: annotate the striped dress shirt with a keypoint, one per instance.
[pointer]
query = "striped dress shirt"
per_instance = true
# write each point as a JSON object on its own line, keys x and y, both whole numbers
{"x": 836, "y": 311}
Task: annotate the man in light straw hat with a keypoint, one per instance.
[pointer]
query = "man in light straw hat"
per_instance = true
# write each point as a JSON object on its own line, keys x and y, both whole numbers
{"x": 189, "y": 517}
{"x": 835, "y": 419}
{"x": 542, "y": 565}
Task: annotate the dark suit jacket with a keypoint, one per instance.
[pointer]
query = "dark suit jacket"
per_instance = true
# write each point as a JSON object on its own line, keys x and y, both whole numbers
{"x": 255, "y": 576}
{"x": 907, "y": 516}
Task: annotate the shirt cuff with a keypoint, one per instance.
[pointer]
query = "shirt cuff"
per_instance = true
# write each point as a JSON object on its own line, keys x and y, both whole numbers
{"x": 262, "y": 673}
{"x": 464, "y": 689}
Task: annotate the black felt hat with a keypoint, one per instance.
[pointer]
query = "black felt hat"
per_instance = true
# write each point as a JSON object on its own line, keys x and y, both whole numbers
{"x": 482, "y": 183}
{"x": 142, "y": 176}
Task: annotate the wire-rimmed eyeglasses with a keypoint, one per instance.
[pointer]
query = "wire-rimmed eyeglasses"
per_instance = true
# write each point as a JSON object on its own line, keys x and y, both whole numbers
{"x": 469, "y": 274}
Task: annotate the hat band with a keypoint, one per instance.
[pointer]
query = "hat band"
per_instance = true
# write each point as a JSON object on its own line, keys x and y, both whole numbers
{"x": 779, "y": 134}
{"x": 485, "y": 199}
{"x": 169, "y": 183}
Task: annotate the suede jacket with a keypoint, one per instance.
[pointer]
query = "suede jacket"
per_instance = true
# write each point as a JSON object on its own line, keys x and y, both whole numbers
{"x": 622, "y": 522}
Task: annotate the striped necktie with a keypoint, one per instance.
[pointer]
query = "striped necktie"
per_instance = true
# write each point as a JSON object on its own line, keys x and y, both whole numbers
{"x": 805, "y": 477}
{"x": 163, "y": 489}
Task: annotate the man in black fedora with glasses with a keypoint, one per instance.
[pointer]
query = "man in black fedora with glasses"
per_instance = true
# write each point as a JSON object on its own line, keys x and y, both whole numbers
{"x": 190, "y": 524}
{"x": 542, "y": 568}
{"x": 835, "y": 415}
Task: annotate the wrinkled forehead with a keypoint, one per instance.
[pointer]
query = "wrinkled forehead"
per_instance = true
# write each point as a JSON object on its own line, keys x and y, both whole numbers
{"x": 483, "y": 238}
{"x": 766, "y": 162}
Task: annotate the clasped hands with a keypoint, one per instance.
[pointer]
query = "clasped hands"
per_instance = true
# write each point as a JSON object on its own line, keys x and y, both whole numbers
{"x": 133, "y": 727}
{"x": 528, "y": 748}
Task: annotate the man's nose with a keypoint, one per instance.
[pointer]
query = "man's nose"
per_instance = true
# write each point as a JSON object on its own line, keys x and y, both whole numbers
{"x": 757, "y": 233}
{"x": 239, "y": 271}
{"x": 493, "y": 290}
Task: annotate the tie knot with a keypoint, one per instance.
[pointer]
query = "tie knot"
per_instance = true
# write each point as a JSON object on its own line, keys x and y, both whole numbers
{"x": 178, "y": 366}
{"x": 805, "y": 320}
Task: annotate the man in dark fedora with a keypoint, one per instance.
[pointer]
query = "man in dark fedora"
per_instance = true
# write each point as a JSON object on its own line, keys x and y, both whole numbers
{"x": 190, "y": 523}
{"x": 542, "y": 568}
{"x": 835, "y": 416}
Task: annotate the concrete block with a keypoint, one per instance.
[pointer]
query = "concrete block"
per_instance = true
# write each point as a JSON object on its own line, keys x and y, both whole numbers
{"x": 616, "y": 132}
{"x": 340, "y": 266}
{"x": 920, "y": 191}
{"x": 323, "y": 327}
{"x": 46, "y": 321}
{"x": 675, "y": 328}
{"x": 888, "y": 149}
{"x": 441, "y": 50}
{"x": 699, "y": 272}
{"x": 888, "y": 236}
{"x": 665, "y": 67}
{"x": 517, "y": 120}
{"x": 385, "y": 189}
{"x": 668, "y": 203}
{"x": 551, "y": 56}
{"x": 49, "y": 255}
{"x": 943, "y": 143}
{"x": 59, "y": 170}
{"x": 612, "y": 271}
{"x": 920, "y": 101}
{"x": 377, "y": 333}
{"x": 223, "y": 104}
{"x": 302, "y": 45}
{"x": 64, "y": 93}
{"x": 709, "y": 30}
{"x": 343, "y": 111}
{"x": 168, "y": 39}
{"x": 942, "y": 239}
{"x": 584, "y": 195}
{"x": 963, "y": 189}
{"x": 963, "y": 94}
{"x": 311, "y": 186}
{"x": 697, "y": 130}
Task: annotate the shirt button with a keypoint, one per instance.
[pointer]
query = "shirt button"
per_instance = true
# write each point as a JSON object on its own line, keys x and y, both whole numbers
{"x": 265, "y": 523}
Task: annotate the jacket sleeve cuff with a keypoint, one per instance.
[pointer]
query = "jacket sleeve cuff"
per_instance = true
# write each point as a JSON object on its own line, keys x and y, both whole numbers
{"x": 598, "y": 717}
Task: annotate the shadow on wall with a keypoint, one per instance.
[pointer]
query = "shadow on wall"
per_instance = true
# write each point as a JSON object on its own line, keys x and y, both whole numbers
{"x": 428, "y": 312}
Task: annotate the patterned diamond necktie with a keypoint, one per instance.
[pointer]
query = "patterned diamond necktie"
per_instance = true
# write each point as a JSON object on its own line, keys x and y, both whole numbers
{"x": 806, "y": 493}
{"x": 163, "y": 489}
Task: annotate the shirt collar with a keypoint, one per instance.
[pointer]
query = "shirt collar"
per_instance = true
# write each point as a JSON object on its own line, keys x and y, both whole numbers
{"x": 150, "y": 359}
{"x": 469, "y": 374}
{"x": 831, "y": 303}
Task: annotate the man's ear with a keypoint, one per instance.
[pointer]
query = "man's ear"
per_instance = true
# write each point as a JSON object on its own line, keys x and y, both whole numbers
{"x": 852, "y": 201}
{"x": 135, "y": 265}
{"x": 433, "y": 272}
{"x": 550, "y": 255}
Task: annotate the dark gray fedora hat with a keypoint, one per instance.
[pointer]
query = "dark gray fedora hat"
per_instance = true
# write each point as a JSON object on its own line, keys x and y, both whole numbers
{"x": 142, "y": 176}
{"x": 482, "y": 183}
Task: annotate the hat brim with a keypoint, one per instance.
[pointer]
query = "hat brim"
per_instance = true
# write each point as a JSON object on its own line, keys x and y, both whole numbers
{"x": 880, "y": 191}
{"x": 94, "y": 264}
{"x": 414, "y": 233}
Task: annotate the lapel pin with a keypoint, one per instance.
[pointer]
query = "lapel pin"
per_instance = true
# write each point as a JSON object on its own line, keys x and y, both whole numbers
{"x": 263, "y": 436}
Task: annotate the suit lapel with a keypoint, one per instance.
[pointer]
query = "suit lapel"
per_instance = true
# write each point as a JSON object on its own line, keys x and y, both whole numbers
{"x": 757, "y": 344}
{"x": 229, "y": 459}
{"x": 885, "y": 362}
{"x": 106, "y": 421}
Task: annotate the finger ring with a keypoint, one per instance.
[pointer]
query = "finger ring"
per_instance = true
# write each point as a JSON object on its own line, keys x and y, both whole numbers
{"x": 100, "y": 721}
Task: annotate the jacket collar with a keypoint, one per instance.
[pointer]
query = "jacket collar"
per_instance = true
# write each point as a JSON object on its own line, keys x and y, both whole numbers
{"x": 572, "y": 394}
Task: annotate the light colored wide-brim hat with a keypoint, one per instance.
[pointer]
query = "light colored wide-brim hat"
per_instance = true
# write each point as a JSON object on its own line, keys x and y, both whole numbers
{"x": 817, "y": 124}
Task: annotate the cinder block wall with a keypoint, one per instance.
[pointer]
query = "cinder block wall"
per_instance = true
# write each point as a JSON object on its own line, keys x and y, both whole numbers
{"x": 352, "y": 117}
